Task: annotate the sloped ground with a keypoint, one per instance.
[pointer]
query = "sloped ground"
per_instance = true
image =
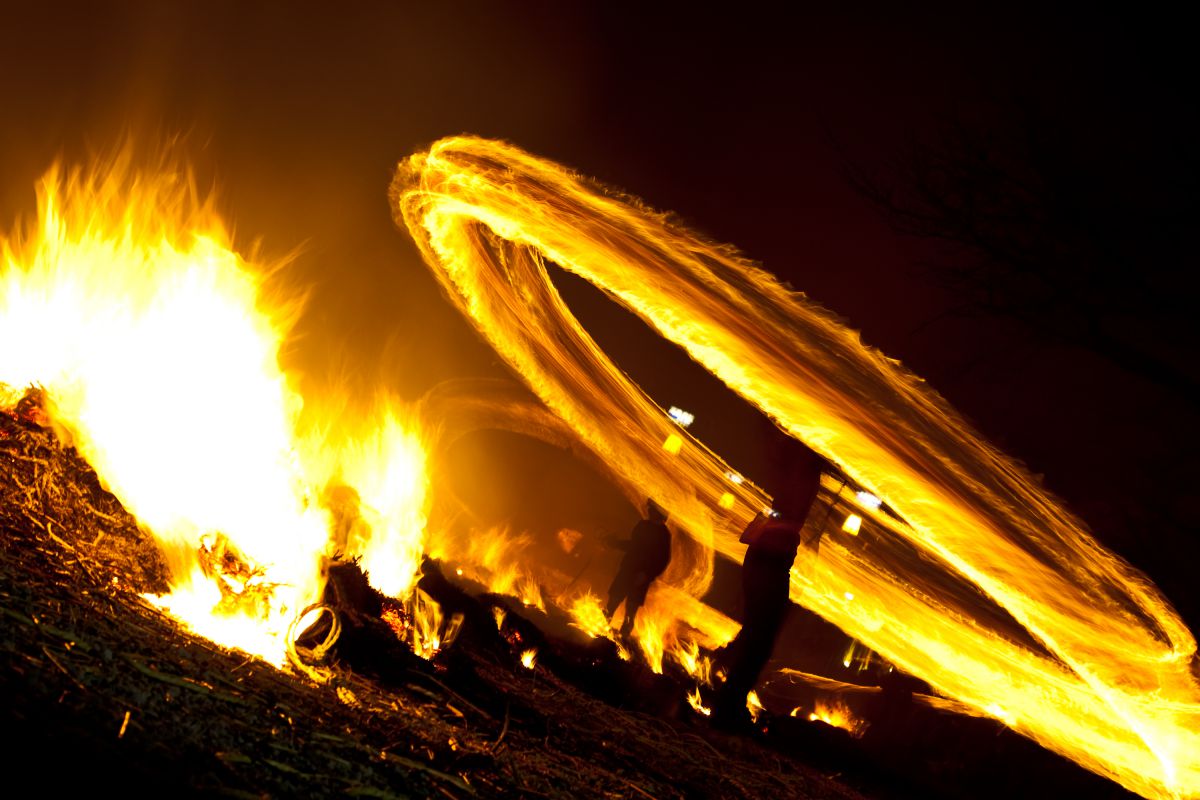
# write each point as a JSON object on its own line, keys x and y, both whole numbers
{"x": 102, "y": 692}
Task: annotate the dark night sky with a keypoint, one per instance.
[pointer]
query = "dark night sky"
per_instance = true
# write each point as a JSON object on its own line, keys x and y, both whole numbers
{"x": 742, "y": 125}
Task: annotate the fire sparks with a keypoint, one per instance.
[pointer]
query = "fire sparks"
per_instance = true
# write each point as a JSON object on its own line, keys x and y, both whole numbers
{"x": 1097, "y": 666}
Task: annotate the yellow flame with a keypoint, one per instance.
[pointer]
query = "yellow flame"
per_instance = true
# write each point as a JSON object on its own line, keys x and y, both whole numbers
{"x": 588, "y": 614}
{"x": 687, "y": 655}
{"x": 838, "y": 715}
{"x": 427, "y": 625}
{"x": 754, "y": 705}
{"x": 383, "y": 460}
{"x": 697, "y": 702}
{"x": 159, "y": 353}
{"x": 529, "y": 658}
{"x": 1097, "y": 666}
{"x": 129, "y": 305}
{"x": 652, "y": 638}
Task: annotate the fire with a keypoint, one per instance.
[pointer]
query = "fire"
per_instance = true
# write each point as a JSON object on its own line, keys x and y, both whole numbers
{"x": 529, "y": 658}
{"x": 687, "y": 655}
{"x": 1097, "y": 666}
{"x": 697, "y": 702}
{"x": 377, "y": 493}
{"x": 430, "y": 632}
{"x": 158, "y": 351}
{"x": 653, "y": 638}
{"x": 754, "y": 706}
{"x": 496, "y": 559}
{"x": 838, "y": 715}
{"x": 588, "y": 614}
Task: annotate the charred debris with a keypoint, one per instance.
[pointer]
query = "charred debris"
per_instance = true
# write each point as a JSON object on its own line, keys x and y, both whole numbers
{"x": 101, "y": 690}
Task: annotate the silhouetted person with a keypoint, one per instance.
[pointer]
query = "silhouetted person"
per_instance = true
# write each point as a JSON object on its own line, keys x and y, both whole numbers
{"x": 647, "y": 554}
{"x": 766, "y": 576}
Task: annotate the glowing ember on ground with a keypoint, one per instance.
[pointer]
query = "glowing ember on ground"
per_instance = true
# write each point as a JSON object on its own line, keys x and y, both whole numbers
{"x": 1110, "y": 682}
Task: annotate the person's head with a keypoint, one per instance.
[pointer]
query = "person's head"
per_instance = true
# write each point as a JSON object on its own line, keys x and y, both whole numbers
{"x": 655, "y": 512}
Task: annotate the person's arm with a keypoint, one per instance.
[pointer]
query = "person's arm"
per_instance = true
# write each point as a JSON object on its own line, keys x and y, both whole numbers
{"x": 754, "y": 530}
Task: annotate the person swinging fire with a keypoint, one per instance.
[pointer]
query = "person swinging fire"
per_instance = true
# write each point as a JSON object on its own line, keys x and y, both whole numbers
{"x": 773, "y": 540}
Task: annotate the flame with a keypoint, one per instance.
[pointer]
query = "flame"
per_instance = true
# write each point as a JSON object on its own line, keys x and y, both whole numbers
{"x": 754, "y": 705}
{"x": 158, "y": 350}
{"x": 378, "y": 488}
{"x": 697, "y": 702}
{"x": 529, "y": 658}
{"x": 588, "y": 614}
{"x": 687, "y": 655}
{"x": 990, "y": 590}
{"x": 426, "y": 625}
{"x": 496, "y": 559}
{"x": 530, "y": 593}
{"x": 838, "y": 715}
{"x": 653, "y": 638}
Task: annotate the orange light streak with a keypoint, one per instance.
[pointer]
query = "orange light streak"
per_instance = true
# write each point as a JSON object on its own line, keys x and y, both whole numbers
{"x": 993, "y": 592}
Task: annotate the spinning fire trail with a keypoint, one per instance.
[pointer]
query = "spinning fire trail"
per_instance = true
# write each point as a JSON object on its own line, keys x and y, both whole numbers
{"x": 992, "y": 592}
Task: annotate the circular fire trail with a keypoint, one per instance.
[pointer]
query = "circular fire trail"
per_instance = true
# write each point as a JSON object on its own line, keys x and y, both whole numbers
{"x": 990, "y": 590}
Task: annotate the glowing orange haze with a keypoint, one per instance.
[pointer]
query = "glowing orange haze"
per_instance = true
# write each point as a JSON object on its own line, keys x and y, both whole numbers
{"x": 992, "y": 592}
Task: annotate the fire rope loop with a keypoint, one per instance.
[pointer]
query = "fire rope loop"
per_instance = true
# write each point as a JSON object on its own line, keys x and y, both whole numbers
{"x": 312, "y": 661}
{"x": 993, "y": 592}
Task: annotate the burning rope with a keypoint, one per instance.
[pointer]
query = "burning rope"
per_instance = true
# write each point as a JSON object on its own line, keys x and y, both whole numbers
{"x": 994, "y": 593}
{"x": 307, "y": 621}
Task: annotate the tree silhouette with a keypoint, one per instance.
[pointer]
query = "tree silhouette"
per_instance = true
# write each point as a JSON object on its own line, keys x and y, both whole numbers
{"x": 1083, "y": 235}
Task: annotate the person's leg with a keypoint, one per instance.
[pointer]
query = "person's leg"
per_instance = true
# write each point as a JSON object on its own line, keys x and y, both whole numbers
{"x": 633, "y": 602}
{"x": 618, "y": 592}
{"x": 754, "y": 645}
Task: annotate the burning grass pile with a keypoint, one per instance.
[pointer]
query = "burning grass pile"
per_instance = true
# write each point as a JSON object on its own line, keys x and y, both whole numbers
{"x": 102, "y": 691}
